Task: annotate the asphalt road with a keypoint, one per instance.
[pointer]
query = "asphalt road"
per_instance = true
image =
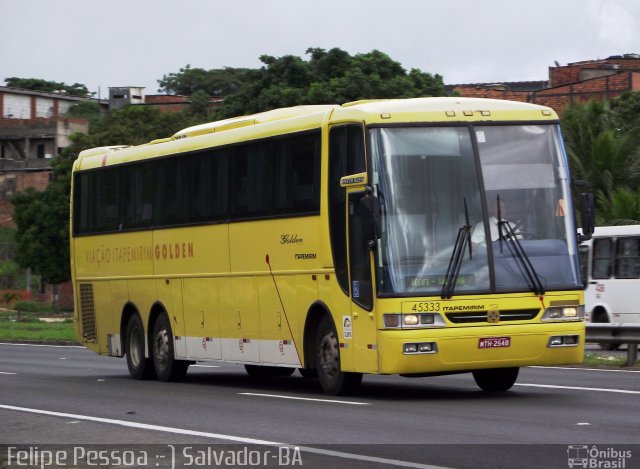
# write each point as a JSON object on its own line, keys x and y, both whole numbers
{"x": 72, "y": 398}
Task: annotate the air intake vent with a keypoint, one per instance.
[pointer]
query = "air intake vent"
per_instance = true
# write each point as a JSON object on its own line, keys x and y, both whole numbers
{"x": 87, "y": 311}
{"x": 482, "y": 316}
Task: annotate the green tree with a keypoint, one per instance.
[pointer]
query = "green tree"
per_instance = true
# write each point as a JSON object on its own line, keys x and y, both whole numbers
{"x": 327, "y": 77}
{"x": 89, "y": 110}
{"x": 215, "y": 82}
{"x": 626, "y": 112}
{"x": 43, "y": 237}
{"x": 38, "y": 84}
{"x": 135, "y": 125}
{"x": 621, "y": 207}
{"x": 603, "y": 145}
{"x": 199, "y": 106}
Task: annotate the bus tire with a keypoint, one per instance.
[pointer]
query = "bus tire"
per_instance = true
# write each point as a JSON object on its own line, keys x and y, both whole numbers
{"x": 332, "y": 380}
{"x": 162, "y": 352}
{"x": 139, "y": 366}
{"x": 496, "y": 379}
{"x": 264, "y": 371}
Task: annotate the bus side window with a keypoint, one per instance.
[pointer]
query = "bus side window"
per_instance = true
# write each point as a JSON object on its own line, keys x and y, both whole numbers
{"x": 628, "y": 258}
{"x": 602, "y": 259}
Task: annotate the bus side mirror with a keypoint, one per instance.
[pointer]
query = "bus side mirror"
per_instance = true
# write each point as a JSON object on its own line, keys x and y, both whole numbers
{"x": 588, "y": 212}
{"x": 370, "y": 206}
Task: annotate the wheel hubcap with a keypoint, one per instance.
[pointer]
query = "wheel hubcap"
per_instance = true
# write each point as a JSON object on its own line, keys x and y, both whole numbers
{"x": 161, "y": 347}
{"x": 329, "y": 355}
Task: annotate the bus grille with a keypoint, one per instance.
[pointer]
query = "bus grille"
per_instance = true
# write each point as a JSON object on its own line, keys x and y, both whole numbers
{"x": 87, "y": 311}
{"x": 482, "y": 316}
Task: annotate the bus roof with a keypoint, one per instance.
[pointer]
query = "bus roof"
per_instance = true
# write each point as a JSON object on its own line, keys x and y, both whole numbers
{"x": 299, "y": 118}
{"x": 620, "y": 230}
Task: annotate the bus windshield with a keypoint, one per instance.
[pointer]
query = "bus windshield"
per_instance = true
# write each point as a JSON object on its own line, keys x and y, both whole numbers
{"x": 504, "y": 188}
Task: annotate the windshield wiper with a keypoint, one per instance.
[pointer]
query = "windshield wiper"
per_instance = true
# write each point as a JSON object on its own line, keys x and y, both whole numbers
{"x": 455, "y": 262}
{"x": 507, "y": 233}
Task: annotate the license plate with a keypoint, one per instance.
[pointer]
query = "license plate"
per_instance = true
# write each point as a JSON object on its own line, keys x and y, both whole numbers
{"x": 494, "y": 342}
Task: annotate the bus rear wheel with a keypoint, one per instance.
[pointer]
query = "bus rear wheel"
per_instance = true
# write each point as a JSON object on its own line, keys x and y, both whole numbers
{"x": 332, "y": 380}
{"x": 139, "y": 366}
{"x": 166, "y": 366}
{"x": 496, "y": 379}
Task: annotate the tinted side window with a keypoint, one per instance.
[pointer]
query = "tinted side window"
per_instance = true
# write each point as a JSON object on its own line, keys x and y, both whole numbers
{"x": 628, "y": 258}
{"x": 297, "y": 178}
{"x": 261, "y": 179}
{"x": 602, "y": 258}
{"x": 137, "y": 195}
{"x": 209, "y": 186}
{"x": 171, "y": 201}
{"x": 103, "y": 201}
{"x": 80, "y": 207}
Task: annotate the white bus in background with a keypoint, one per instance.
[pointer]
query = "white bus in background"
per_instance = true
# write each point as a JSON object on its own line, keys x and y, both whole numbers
{"x": 611, "y": 267}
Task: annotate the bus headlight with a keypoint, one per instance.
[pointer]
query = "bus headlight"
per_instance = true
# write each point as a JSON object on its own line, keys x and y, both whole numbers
{"x": 564, "y": 313}
{"x": 412, "y": 321}
{"x": 421, "y": 347}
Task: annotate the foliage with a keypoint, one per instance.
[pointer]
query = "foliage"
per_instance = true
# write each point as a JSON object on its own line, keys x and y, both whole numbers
{"x": 603, "y": 145}
{"x": 37, "y": 84}
{"x": 135, "y": 125}
{"x": 42, "y": 237}
{"x": 89, "y": 110}
{"x": 328, "y": 77}
{"x": 627, "y": 112}
{"x": 33, "y": 307}
{"x": 216, "y": 82}
{"x": 620, "y": 207}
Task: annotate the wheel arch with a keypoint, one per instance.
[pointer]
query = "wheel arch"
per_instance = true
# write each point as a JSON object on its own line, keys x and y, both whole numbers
{"x": 317, "y": 311}
{"x": 600, "y": 314}
{"x": 156, "y": 310}
{"x": 128, "y": 311}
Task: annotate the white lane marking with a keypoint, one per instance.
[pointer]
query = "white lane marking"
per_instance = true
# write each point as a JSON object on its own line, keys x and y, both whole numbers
{"x": 585, "y": 369}
{"x": 578, "y": 388}
{"x": 279, "y": 396}
{"x": 205, "y": 366}
{"x": 219, "y": 436}
{"x": 43, "y": 345}
{"x": 7, "y": 373}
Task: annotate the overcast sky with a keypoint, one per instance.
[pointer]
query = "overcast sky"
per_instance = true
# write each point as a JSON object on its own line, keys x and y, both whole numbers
{"x": 103, "y": 43}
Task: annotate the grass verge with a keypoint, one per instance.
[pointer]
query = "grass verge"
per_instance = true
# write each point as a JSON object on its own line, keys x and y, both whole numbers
{"x": 595, "y": 360}
{"x": 27, "y": 326}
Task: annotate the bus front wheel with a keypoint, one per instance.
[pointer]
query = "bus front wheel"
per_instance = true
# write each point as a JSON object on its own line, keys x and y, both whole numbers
{"x": 332, "y": 380}
{"x": 497, "y": 379}
{"x": 139, "y": 366}
{"x": 166, "y": 366}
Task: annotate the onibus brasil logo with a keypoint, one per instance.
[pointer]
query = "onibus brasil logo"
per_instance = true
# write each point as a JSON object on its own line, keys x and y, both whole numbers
{"x": 593, "y": 457}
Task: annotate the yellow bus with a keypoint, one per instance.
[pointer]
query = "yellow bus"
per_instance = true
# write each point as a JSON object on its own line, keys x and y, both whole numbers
{"x": 414, "y": 237}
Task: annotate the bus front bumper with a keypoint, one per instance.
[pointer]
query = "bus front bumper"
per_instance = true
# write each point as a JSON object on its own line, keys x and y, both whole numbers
{"x": 453, "y": 349}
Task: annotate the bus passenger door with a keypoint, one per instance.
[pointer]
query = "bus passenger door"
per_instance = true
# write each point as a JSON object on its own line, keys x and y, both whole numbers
{"x": 364, "y": 330}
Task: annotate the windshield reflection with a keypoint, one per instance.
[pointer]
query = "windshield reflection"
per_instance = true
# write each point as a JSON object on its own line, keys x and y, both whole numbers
{"x": 424, "y": 177}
